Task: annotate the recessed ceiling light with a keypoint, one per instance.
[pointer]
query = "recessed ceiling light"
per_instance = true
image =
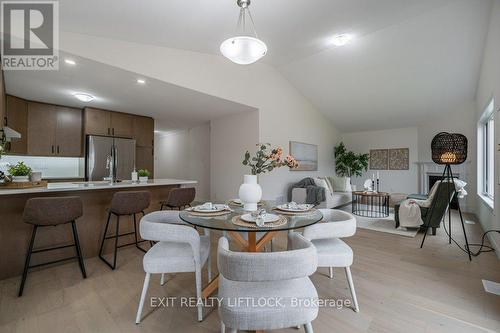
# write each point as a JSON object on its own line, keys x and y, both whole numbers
{"x": 141, "y": 81}
{"x": 341, "y": 40}
{"x": 70, "y": 61}
{"x": 84, "y": 97}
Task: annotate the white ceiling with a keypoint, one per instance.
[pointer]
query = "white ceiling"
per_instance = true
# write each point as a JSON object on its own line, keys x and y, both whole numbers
{"x": 409, "y": 60}
{"x": 173, "y": 107}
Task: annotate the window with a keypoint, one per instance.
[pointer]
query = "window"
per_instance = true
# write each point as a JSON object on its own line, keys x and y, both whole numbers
{"x": 486, "y": 154}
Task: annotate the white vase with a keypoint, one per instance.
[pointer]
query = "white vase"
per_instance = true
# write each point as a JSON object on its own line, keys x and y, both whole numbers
{"x": 143, "y": 179}
{"x": 250, "y": 192}
{"x": 20, "y": 179}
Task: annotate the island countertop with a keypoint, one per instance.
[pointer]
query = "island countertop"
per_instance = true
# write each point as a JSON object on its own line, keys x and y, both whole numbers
{"x": 96, "y": 199}
{"x": 95, "y": 186}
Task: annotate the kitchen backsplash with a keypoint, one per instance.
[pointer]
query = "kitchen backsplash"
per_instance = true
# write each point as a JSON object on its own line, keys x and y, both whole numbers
{"x": 51, "y": 167}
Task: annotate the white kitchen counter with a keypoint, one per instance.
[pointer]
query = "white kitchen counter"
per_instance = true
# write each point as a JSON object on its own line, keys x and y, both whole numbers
{"x": 95, "y": 186}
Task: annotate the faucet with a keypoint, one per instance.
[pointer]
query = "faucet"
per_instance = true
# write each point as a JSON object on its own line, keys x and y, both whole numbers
{"x": 110, "y": 165}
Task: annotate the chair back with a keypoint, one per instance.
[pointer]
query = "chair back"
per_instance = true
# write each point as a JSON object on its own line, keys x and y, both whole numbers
{"x": 154, "y": 228}
{"x": 180, "y": 197}
{"x": 440, "y": 202}
{"x": 335, "y": 224}
{"x": 52, "y": 211}
{"x": 130, "y": 202}
{"x": 272, "y": 266}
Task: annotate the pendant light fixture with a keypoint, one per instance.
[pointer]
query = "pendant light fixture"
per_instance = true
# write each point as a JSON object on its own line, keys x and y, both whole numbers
{"x": 243, "y": 49}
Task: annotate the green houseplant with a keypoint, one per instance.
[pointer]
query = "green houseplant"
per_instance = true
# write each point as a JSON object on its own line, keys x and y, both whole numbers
{"x": 348, "y": 163}
{"x": 19, "y": 172}
{"x": 143, "y": 175}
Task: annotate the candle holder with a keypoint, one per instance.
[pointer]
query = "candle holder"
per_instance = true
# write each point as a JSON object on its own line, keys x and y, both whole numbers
{"x": 373, "y": 186}
{"x": 378, "y": 185}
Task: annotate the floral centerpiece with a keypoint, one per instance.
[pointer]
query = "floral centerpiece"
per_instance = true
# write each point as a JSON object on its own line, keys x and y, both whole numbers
{"x": 266, "y": 159}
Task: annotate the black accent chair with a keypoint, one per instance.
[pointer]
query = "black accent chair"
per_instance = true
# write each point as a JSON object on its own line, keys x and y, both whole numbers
{"x": 433, "y": 214}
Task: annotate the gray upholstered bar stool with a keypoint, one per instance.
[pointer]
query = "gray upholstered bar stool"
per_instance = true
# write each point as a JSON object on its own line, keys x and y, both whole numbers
{"x": 125, "y": 204}
{"x": 179, "y": 198}
{"x": 45, "y": 212}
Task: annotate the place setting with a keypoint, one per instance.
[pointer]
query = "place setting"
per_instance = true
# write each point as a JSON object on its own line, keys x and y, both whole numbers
{"x": 259, "y": 219}
{"x": 209, "y": 209}
{"x": 293, "y": 208}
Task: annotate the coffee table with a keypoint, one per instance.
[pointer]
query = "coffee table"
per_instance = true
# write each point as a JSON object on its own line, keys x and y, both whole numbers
{"x": 370, "y": 204}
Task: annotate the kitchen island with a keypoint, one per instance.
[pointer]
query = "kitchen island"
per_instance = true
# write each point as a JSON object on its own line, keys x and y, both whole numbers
{"x": 96, "y": 197}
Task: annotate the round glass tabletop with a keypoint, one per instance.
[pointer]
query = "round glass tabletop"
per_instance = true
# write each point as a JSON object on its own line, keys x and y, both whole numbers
{"x": 224, "y": 222}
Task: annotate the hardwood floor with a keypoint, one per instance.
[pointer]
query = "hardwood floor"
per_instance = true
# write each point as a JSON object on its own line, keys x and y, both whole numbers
{"x": 400, "y": 288}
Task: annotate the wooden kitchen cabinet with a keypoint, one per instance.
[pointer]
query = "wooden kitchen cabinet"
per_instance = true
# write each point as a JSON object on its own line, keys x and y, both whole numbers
{"x": 143, "y": 131}
{"x": 42, "y": 122}
{"x": 108, "y": 123}
{"x": 68, "y": 131}
{"x": 97, "y": 121}
{"x": 16, "y": 117}
{"x": 121, "y": 124}
{"x": 54, "y": 130}
{"x": 144, "y": 159}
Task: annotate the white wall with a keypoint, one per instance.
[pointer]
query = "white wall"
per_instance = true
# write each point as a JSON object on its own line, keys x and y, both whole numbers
{"x": 488, "y": 87}
{"x": 230, "y": 137}
{"x": 185, "y": 154}
{"x": 284, "y": 114}
{"x": 401, "y": 181}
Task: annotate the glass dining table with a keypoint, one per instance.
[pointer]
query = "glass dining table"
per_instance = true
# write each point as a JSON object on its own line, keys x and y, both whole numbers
{"x": 236, "y": 232}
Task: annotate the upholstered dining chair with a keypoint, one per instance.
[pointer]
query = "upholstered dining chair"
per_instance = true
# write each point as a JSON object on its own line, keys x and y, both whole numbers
{"x": 267, "y": 276}
{"x": 179, "y": 249}
{"x": 332, "y": 251}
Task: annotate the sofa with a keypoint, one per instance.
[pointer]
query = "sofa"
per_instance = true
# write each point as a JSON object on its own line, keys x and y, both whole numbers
{"x": 337, "y": 192}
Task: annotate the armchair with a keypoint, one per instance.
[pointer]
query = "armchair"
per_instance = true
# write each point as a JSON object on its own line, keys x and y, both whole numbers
{"x": 433, "y": 214}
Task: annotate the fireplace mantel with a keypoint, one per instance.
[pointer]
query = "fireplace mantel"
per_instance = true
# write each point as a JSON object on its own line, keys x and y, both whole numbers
{"x": 425, "y": 169}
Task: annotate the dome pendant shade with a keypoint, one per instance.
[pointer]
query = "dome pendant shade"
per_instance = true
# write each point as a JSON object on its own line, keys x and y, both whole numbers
{"x": 243, "y": 50}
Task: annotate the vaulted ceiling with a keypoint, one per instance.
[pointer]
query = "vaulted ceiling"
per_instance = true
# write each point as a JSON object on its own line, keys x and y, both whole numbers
{"x": 409, "y": 59}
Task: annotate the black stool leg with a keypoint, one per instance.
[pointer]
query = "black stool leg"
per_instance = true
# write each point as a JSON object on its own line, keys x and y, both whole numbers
{"x": 27, "y": 262}
{"x": 104, "y": 239}
{"x": 78, "y": 249}
{"x": 135, "y": 236}
{"x": 116, "y": 239}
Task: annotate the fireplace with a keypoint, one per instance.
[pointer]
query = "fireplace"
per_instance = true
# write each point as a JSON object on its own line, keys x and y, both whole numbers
{"x": 433, "y": 178}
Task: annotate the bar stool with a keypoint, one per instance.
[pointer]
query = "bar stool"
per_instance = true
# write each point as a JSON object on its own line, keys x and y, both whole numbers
{"x": 125, "y": 204}
{"x": 179, "y": 198}
{"x": 45, "y": 212}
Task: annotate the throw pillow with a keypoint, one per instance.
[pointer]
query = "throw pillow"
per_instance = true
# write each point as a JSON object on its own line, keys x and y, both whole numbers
{"x": 340, "y": 184}
{"x": 320, "y": 182}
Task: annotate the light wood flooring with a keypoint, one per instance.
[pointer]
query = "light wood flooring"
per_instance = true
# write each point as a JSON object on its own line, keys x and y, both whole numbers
{"x": 400, "y": 288}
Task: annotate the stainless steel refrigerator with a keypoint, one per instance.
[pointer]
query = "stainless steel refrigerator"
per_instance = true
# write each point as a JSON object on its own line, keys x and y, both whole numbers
{"x": 103, "y": 149}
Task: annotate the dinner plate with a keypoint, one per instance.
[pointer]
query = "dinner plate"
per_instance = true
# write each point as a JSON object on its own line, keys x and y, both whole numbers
{"x": 298, "y": 208}
{"x": 214, "y": 209}
{"x": 267, "y": 218}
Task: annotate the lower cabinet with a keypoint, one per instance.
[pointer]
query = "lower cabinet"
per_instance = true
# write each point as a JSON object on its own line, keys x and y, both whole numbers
{"x": 144, "y": 159}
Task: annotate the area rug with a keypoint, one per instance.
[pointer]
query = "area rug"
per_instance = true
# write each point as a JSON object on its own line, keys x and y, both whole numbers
{"x": 382, "y": 224}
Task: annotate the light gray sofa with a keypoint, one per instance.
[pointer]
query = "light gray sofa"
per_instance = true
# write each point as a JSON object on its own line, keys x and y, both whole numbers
{"x": 333, "y": 199}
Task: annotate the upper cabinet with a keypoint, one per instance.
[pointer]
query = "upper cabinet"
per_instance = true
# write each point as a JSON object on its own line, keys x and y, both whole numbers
{"x": 96, "y": 121}
{"x": 16, "y": 117}
{"x": 144, "y": 131}
{"x": 54, "y": 130}
{"x": 109, "y": 123}
{"x": 121, "y": 124}
{"x": 69, "y": 131}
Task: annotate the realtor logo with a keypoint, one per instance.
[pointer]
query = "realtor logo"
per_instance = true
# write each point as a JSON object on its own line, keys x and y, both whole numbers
{"x": 30, "y": 35}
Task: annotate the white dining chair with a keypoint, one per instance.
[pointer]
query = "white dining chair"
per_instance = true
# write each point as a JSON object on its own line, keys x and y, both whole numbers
{"x": 179, "y": 249}
{"x": 332, "y": 251}
{"x": 267, "y": 276}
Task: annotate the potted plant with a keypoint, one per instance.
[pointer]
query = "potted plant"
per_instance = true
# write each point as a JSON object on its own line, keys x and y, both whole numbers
{"x": 266, "y": 159}
{"x": 20, "y": 172}
{"x": 143, "y": 175}
{"x": 348, "y": 163}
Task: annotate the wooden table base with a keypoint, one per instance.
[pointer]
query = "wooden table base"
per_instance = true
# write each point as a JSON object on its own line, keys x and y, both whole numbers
{"x": 250, "y": 245}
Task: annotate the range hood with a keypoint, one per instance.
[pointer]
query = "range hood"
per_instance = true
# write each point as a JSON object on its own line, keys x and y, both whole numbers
{"x": 10, "y": 134}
